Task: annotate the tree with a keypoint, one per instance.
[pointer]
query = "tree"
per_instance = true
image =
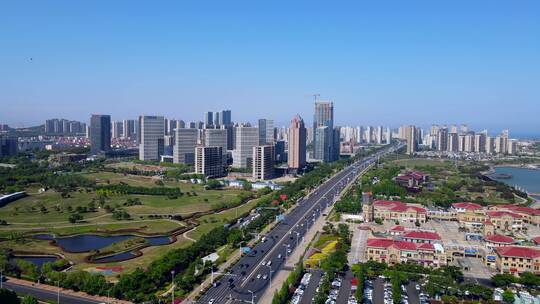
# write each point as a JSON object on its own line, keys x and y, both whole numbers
{"x": 75, "y": 217}
{"x": 508, "y": 297}
{"x": 29, "y": 300}
{"x": 8, "y": 297}
{"x": 503, "y": 279}
{"x": 529, "y": 279}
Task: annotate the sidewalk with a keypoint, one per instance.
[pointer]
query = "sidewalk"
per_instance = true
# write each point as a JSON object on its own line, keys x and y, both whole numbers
{"x": 63, "y": 291}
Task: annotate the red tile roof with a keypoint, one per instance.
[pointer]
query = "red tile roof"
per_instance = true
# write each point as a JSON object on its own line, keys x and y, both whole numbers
{"x": 536, "y": 240}
{"x": 426, "y": 246}
{"x": 398, "y": 206}
{"x": 518, "y": 252}
{"x": 503, "y": 213}
{"x": 398, "y": 228}
{"x": 498, "y": 238}
{"x": 386, "y": 243}
{"x": 521, "y": 209}
{"x": 422, "y": 235}
{"x": 466, "y": 205}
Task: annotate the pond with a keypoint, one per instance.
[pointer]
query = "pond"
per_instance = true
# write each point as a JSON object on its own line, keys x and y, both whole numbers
{"x": 37, "y": 260}
{"x": 89, "y": 242}
{"x": 117, "y": 257}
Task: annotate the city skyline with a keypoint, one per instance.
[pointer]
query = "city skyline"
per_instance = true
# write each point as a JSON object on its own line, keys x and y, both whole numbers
{"x": 410, "y": 65}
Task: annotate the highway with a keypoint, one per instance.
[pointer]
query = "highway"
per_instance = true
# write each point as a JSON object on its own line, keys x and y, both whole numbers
{"x": 47, "y": 295}
{"x": 250, "y": 276}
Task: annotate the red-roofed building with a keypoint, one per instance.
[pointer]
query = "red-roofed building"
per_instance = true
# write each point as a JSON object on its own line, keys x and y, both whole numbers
{"x": 517, "y": 259}
{"x": 536, "y": 240}
{"x": 397, "y": 230}
{"x": 528, "y": 214}
{"x": 498, "y": 240}
{"x": 412, "y": 179}
{"x": 505, "y": 220}
{"x": 394, "y": 211}
{"x": 397, "y": 251}
{"x": 464, "y": 206}
{"x": 417, "y": 236}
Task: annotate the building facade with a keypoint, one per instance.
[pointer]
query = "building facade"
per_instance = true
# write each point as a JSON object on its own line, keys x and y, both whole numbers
{"x": 100, "y": 133}
{"x": 297, "y": 143}
{"x": 184, "y": 147}
{"x": 209, "y": 161}
{"x": 152, "y": 145}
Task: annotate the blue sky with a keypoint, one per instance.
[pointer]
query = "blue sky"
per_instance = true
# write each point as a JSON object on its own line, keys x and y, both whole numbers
{"x": 381, "y": 62}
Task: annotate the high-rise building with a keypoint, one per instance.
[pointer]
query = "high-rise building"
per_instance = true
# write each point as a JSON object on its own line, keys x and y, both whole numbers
{"x": 469, "y": 143}
{"x": 411, "y": 135}
{"x": 369, "y": 134}
{"x": 280, "y": 155}
{"x": 324, "y": 117}
{"x": 266, "y": 131}
{"x": 129, "y": 128}
{"x": 461, "y": 142}
{"x": 388, "y": 136}
{"x": 152, "y": 144}
{"x": 379, "y": 137}
{"x": 490, "y": 144}
{"x": 170, "y": 126}
{"x": 208, "y": 119}
{"x": 245, "y": 139}
{"x": 480, "y": 142}
{"x": 453, "y": 129}
{"x": 263, "y": 162}
{"x": 209, "y": 161}
{"x": 442, "y": 139}
{"x": 453, "y": 145}
{"x": 184, "y": 148}
{"x": 512, "y": 147}
{"x": 9, "y": 145}
{"x": 297, "y": 143}
{"x": 225, "y": 118}
{"x": 117, "y": 129}
{"x": 217, "y": 119}
{"x": 216, "y": 138}
{"x": 100, "y": 133}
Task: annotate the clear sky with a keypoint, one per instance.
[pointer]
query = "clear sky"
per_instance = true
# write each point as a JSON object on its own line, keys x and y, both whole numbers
{"x": 381, "y": 62}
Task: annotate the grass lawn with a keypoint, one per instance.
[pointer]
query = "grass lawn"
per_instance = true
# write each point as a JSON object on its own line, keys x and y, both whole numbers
{"x": 211, "y": 221}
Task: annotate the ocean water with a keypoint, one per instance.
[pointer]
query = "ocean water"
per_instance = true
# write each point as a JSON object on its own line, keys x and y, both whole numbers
{"x": 528, "y": 179}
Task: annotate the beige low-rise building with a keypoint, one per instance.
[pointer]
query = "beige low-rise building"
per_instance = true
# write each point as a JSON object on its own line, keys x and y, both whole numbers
{"x": 394, "y": 211}
{"x": 398, "y": 251}
{"x": 517, "y": 259}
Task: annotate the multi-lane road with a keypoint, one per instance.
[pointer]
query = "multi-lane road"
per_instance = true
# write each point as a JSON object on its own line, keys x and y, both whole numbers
{"x": 47, "y": 294}
{"x": 251, "y": 275}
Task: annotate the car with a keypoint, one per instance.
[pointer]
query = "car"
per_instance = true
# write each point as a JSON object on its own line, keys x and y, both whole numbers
{"x": 279, "y": 256}
{"x": 258, "y": 276}
{"x": 211, "y": 301}
{"x": 265, "y": 277}
{"x": 417, "y": 287}
{"x": 269, "y": 263}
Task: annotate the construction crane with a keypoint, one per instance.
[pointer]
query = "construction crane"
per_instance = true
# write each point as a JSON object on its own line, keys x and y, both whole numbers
{"x": 315, "y": 96}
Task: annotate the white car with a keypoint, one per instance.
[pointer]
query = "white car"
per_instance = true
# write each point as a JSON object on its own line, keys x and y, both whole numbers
{"x": 258, "y": 276}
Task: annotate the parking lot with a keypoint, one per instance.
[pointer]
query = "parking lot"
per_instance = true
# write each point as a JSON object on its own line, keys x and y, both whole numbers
{"x": 379, "y": 291}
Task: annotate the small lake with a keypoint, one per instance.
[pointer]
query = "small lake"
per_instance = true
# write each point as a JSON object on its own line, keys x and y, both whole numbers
{"x": 89, "y": 242}
{"x": 117, "y": 257}
{"x": 37, "y": 260}
{"x": 528, "y": 179}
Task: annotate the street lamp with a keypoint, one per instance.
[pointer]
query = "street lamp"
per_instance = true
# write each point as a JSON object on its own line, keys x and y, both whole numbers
{"x": 172, "y": 292}
{"x": 270, "y": 274}
{"x": 252, "y": 297}
{"x": 58, "y": 292}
